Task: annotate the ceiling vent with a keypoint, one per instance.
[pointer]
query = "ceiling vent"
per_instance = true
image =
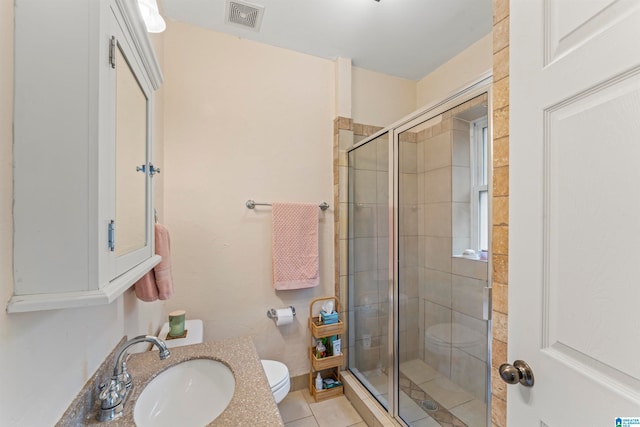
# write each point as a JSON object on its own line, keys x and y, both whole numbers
{"x": 246, "y": 15}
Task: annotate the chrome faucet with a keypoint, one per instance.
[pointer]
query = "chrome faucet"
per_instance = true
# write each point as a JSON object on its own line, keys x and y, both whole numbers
{"x": 113, "y": 395}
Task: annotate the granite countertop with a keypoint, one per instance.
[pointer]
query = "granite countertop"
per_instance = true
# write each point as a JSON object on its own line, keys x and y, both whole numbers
{"x": 252, "y": 403}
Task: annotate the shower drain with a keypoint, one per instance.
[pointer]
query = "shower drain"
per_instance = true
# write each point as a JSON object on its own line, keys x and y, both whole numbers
{"x": 429, "y": 405}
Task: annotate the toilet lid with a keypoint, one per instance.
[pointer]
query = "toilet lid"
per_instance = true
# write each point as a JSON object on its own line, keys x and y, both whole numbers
{"x": 277, "y": 372}
{"x": 464, "y": 337}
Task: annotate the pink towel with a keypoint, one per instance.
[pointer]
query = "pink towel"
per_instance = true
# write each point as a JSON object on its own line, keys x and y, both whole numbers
{"x": 146, "y": 289}
{"x": 158, "y": 283}
{"x": 295, "y": 246}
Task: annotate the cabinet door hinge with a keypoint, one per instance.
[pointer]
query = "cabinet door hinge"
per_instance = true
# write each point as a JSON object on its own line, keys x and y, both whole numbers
{"x": 112, "y": 51}
{"x": 487, "y": 303}
{"x": 111, "y": 235}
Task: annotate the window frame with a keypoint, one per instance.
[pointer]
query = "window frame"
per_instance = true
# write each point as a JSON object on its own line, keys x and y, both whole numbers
{"x": 479, "y": 155}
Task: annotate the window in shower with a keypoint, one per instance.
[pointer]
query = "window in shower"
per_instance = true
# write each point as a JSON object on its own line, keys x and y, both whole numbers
{"x": 479, "y": 184}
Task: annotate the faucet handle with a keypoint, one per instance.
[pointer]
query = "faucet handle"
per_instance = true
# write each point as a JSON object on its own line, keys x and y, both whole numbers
{"x": 110, "y": 394}
{"x": 111, "y": 400}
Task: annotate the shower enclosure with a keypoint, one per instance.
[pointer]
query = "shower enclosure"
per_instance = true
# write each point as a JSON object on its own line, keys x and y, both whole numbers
{"x": 418, "y": 241}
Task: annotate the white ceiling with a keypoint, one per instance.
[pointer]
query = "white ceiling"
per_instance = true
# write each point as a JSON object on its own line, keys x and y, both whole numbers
{"x": 404, "y": 38}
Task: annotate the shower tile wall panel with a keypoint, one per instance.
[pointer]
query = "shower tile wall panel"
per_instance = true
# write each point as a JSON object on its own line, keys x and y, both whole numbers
{"x": 435, "y": 286}
{"x": 408, "y": 153}
{"x": 367, "y": 158}
{"x": 467, "y": 295}
{"x": 365, "y": 289}
{"x": 364, "y": 220}
{"x": 382, "y": 190}
{"x": 366, "y": 183}
{"x": 437, "y": 185}
{"x": 469, "y": 268}
{"x": 438, "y": 253}
{"x": 437, "y": 152}
{"x": 382, "y": 220}
{"x": 469, "y": 373}
{"x": 365, "y": 254}
{"x": 437, "y": 219}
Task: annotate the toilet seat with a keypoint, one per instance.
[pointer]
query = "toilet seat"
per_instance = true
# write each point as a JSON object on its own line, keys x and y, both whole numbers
{"x": 465, "y": 338}
{"x": 278, "y": 377}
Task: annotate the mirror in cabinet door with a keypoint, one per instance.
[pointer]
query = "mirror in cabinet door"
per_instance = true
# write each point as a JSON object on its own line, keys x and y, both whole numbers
{"x": 131, "y": 163}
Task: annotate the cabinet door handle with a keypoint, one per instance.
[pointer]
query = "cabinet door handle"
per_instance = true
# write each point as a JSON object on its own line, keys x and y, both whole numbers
{"x": 153, "y": 170}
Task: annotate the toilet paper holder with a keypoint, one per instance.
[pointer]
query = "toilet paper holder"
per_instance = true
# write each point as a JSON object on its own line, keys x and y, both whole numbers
{"x": 272, "y": 314}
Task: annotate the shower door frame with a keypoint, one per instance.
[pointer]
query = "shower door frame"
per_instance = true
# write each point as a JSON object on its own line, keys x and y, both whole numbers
{"x": 481, "y": 85}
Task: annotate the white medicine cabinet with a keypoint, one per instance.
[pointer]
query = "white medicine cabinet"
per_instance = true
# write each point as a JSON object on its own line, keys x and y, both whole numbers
{"x": 85, "y": 76}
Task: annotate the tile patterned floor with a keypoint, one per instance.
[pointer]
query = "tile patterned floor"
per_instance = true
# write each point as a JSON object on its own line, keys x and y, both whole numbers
{"x": 462, "y": 408}
{"x": 422, "y": 382}
{"x": 419, "y": 382}
{"x": 299, "y": 409}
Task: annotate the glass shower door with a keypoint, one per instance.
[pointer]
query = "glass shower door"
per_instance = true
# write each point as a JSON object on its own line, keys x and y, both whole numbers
{"x": 442, "y": 270}
{"x": 369, "y": 283}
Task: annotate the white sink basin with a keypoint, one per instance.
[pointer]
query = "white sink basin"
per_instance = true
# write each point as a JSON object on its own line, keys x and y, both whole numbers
{"x": 191, "y": 393}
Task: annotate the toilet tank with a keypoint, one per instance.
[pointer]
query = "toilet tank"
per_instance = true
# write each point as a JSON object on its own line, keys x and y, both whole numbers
{"x": 195, "y": 334}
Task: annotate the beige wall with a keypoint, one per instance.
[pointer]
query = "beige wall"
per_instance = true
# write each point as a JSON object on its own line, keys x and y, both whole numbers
{"x": 47, "y": 356}
{"x": 458, "y": 72}
{"x": 243, "y": 121}
{"x": 379, "y": 99}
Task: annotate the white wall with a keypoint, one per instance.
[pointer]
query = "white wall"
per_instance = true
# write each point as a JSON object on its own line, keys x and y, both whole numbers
{"x": 243, "y": 121}
{"x": 379, "y": 99}
{"x": 458, "y": 72}
{"x": 46, "y": 357}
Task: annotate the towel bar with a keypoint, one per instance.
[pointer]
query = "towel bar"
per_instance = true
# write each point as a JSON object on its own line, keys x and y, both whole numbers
{"x": 250, "y": 204}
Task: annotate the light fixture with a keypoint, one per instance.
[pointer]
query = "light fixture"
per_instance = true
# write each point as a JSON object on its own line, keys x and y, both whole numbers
{"x": 151, "y": 16}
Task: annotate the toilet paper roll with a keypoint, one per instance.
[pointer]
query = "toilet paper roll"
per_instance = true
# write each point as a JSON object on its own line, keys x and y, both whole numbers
{"x": 284, "y": 316}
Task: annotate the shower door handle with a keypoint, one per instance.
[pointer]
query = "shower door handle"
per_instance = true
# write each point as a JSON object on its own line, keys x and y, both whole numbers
{"x": 519, "y": 372}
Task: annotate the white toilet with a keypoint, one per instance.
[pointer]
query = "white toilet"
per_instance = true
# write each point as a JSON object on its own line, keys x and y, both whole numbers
{"x": 278, "y": 376}
{"x": 439, "y": 339}
{"x": 277, "y": 372}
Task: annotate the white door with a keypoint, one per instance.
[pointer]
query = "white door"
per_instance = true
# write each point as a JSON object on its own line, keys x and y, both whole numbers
{"x": 574, "y": 255}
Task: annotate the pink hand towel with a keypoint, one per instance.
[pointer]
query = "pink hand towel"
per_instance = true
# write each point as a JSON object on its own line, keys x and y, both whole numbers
{"x": 295, "y": 246}
{"x": 158, "y": 283}
{"x": 162, "y": 271}
{"x": 146, "y": 289}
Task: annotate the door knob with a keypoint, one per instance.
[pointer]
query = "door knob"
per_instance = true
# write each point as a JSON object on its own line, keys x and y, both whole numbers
{"x": 519, "y": 372}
